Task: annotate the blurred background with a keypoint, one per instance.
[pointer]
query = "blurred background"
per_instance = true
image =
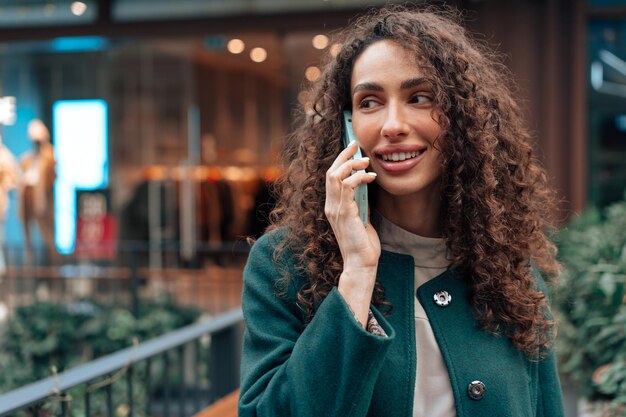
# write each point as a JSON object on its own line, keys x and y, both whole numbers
{"x": 139, "y": 139}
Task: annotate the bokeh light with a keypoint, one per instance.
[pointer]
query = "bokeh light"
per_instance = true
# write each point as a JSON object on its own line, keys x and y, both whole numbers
{"x": 235, "y": 46}
{"x": 258, "y": 54}
{"x": 334, "y": 49}
{"x": 320, "y": 41}
{"x": 312, "y": 73}
{"x": 78, "y": 8}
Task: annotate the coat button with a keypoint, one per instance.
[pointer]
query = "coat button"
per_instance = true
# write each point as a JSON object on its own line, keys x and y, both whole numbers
{"x": 442, "y": 298}
{"x": 476, "y": 390}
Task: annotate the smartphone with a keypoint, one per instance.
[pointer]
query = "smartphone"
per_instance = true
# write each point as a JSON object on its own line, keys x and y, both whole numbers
{"x": 360, "y": 193}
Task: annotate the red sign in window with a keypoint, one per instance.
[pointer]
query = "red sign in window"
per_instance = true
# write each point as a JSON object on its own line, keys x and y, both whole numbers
{"x": 96, "y": 229}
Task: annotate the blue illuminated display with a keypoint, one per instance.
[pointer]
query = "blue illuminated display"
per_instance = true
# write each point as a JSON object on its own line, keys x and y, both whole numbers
{"x": 79, "y": 44}
{"x": 81, "y": 151}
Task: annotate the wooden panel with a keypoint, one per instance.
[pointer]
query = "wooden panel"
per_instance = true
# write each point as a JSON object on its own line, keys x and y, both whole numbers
{"x": 226, "y": 407}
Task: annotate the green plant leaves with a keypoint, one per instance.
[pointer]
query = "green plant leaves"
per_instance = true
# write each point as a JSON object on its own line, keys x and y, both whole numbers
{"x": 43, "y": 335}
{"x": 591, "y": 303}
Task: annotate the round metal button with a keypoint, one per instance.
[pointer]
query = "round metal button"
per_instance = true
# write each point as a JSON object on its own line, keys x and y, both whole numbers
{"x": 442, "y": 298}
{"x": 476, "y": 390}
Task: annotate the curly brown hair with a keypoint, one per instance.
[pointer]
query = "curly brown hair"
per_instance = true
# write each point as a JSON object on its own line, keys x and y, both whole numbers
{"x": 496, "y": 203}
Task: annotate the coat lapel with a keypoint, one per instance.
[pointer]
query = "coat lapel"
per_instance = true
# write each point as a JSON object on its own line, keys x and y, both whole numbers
{"x": 472, "y": 355}
{"x": 394, "y": 389}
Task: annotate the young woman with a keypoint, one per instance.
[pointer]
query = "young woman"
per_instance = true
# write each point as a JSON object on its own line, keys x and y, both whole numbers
{"x": 434, "y": 309}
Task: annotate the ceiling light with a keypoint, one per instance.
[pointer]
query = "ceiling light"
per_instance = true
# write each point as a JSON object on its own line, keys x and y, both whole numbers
{"x": 312, "y": 73}
{"x": 258, "y": 54}
{"x": 235, "y": 46}
{"x": 320, "y": 41}
{"x": 334, "y": 50}
{"x": 78, "y": 8}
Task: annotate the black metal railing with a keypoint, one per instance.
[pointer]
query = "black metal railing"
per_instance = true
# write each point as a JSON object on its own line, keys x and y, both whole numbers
{"x": 176, "y": 374}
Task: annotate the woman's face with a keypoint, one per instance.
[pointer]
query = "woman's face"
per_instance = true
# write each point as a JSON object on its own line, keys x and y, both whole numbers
{"x": 392, "y": 115}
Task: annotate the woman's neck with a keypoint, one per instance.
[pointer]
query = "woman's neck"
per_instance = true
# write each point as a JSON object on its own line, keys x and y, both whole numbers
{"x": 418, "y": 214}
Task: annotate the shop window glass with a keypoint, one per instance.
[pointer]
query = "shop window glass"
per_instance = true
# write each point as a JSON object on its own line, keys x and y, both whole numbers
{"x": 607, "y": 111}
{"x": 149, "y": 87}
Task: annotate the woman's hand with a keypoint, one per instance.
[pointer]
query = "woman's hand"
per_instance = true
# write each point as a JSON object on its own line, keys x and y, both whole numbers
{"x": 359, "y": 245}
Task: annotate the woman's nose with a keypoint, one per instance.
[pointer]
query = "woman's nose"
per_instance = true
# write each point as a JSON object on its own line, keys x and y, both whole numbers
{"x": 395, "y": 124}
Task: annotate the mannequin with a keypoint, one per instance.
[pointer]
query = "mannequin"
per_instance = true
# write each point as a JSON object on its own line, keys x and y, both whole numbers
{"x": 37, "y": 190}
{"x": 9, "y": 179}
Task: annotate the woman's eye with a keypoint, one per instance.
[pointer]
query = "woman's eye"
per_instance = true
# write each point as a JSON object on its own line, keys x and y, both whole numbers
{"x": 421, "y": 99}
{"x": 367, "y": 104}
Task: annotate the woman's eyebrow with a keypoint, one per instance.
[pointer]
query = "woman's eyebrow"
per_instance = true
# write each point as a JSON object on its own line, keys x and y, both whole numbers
{"x": 367, "y": 86}
{"x": 413, "y": 82}
{"x": 405, "y": 85}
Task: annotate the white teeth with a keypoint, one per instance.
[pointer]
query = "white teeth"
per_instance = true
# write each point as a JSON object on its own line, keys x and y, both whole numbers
{"x": 400, "y": 156}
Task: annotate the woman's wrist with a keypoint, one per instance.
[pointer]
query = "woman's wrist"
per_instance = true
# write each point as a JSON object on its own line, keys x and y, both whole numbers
{"x": 356, "y": 287}
{"x": 361, "y": 279}
{"x": 355, "y": 267}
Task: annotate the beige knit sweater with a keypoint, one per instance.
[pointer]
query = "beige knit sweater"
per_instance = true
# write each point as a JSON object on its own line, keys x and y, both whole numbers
{"x": 433, "y": 392}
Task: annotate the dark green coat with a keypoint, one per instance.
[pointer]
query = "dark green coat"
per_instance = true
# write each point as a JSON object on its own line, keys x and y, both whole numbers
{"x": 333, "y": 367}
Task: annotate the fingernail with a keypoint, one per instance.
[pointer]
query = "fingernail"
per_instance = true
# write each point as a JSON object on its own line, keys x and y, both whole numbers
{"x": 351, "y": 142}
{"x": 373, "y": 174}
{"x": 366, "y": 158}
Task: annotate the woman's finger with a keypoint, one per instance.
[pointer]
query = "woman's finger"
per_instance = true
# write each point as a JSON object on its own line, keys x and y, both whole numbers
{"x": 344, "y": 170}
{"x": 341, "y": 192}
{"x": 342, "y": 202}
{"x": 358, "y": 178}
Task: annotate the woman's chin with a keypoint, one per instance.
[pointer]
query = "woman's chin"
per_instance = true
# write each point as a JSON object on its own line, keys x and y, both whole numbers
{"x": 410, "y": 189}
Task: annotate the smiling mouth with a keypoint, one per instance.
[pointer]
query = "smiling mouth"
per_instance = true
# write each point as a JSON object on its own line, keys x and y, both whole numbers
{"x": 400, "y": 156}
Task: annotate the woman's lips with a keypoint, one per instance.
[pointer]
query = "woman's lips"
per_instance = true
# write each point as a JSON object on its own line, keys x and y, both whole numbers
{"x": 399, "y": 166}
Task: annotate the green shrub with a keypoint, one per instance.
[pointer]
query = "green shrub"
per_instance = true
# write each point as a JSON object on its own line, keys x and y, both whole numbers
{"x": 591, "y": 305}
{"x": 44, "y": 335}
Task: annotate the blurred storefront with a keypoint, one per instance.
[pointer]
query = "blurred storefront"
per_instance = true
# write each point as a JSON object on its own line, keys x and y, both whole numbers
{"x": 193, "y": 99}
